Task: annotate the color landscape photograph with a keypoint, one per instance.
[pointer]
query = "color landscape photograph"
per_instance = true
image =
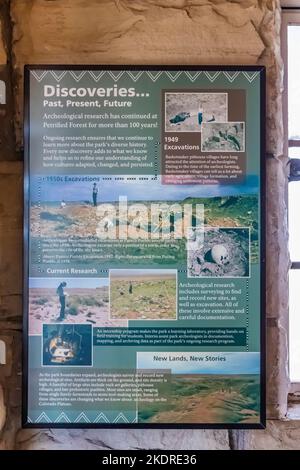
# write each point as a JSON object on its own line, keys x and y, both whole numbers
{"x": 205, "y": 399}
{"x": 149, "y": 294}
{"x": 69, "y": 301}
{"x": 213, "y": 393}
{"x": 77, "y": 217}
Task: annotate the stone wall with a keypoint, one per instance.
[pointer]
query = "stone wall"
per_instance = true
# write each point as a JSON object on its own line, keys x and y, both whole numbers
{"x": 139, "y": 32}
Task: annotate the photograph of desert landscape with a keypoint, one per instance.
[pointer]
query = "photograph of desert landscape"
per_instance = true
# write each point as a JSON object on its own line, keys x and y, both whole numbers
{"x": 80, "y": 301}
{"x": 138, "y": 294}
{"x": 186, "y": 112}
{"x": 201, "y": 387}
{"x": 50, "y": 219}
{"x": 205, "y": 399}
{"x": 232, "y": 206}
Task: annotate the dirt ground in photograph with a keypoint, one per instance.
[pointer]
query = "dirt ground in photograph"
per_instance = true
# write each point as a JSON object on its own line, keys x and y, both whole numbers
{"x": 224, "y": 137}
{"x": 51, "y": 220}
{"x": 214, "y": 105}
{"x": 234, "y": 242}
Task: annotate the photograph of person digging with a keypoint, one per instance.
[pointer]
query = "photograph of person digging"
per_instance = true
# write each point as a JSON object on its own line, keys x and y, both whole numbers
{"x": 187, "y": 112}
{"x": 137, "y": 294}
{"x": 77, "y": 300}
{"x": 223, "y": 137}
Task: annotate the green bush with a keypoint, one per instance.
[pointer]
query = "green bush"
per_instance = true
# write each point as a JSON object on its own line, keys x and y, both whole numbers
{"x": 88, "y": 301}
{"x": 73, "y": 310}
{"x": 41, "y": 301}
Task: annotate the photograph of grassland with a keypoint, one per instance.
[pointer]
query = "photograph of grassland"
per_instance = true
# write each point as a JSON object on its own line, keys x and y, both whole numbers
{"x": 195, "y": 398}
{"x": 149, "y": 294}
{"x": 78, "y": 301}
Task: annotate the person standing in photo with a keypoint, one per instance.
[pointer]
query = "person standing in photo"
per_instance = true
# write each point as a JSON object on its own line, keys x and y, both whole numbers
{"x": 62, "y": 300}
{"x": 95, "y": 194}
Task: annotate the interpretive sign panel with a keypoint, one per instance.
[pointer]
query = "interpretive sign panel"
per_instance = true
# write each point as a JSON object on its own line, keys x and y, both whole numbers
{"x": 144, "y": 246}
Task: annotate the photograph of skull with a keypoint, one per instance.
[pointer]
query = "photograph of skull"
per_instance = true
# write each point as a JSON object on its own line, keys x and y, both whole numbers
{"x": 218, "y": 252}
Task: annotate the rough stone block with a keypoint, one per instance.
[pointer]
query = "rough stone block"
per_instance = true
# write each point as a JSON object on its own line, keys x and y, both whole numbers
{"x": 15, "y": 396}
{"x": 11, "y": 311}
{"x": 2, "y": 409}
{"x": 7, "y": 140}
{"x": 10, "y": 261}
{"x": 13, "y": 423}
{"x": 269, "y": 31}
{"x": 277, "y": 371}
{"x": 134, "y": 32}
{"x": 277, "y": 235}
{"x": 11, "y": 197}
{"x": 6, "y": 369}
{"x": 3, "y": 57}
{"x": 187, "y": 439}
{"x": 279, "y": 435}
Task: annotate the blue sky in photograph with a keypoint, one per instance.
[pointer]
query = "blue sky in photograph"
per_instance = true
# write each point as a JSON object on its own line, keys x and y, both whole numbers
{"x": 72, "y": 283}
{"x": 109, "y": 191}
{"x": 235, "y": 363}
